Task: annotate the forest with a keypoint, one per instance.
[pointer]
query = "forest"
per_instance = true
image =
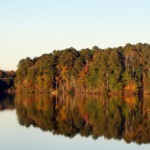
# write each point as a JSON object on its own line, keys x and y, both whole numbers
{"x": 112, "y": 70}
{"x": 7, "y": 81}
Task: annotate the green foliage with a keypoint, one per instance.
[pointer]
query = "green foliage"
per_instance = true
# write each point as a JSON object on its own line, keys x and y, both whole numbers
{"x": 95, "y": 70}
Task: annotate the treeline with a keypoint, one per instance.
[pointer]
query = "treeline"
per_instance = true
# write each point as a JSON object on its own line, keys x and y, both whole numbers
{"x": 7, "y": 80}
{"x": 121, "y": 69}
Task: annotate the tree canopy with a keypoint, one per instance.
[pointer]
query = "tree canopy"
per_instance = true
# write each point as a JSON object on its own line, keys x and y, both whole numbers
{"x": 93, "y": 70}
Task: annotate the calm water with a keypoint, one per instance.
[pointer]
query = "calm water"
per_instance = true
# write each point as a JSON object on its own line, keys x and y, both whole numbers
{"x": 43, "y": 122}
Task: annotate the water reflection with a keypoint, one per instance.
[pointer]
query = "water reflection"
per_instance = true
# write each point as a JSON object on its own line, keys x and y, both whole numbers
{"x": 6, "y": 101}
{"x": 125, "y": 118}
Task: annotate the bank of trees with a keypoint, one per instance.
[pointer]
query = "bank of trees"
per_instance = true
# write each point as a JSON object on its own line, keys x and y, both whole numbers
{"x": 93, "y": 70}
{"x": 7, "y": 80}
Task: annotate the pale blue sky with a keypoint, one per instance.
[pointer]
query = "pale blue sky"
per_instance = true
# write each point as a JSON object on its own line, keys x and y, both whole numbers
{"x": 33, "y": 27}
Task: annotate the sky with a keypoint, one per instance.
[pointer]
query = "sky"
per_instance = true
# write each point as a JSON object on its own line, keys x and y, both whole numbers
{"x": 30, "y": 28}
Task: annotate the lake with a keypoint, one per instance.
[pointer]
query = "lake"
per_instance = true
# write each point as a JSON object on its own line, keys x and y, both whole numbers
{"x": 44, "y": 122}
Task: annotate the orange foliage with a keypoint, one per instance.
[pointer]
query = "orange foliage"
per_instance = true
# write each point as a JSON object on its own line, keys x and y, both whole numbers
{"x": 130, "y": 135}
{"x": 62, "y": 116}
{"x": 131, "y": 87}
{"x": 82, "y": 75}
{"x": 63, "y": 71}
{"x": 26, "y": 83}
{"x": 130, "y": 101}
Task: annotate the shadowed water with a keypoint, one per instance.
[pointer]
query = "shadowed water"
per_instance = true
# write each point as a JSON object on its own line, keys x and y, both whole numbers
{"x": 109, "y": 119}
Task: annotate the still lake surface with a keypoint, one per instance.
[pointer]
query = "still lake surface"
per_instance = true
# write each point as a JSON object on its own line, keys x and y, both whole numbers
{"x": 44, "y": 122}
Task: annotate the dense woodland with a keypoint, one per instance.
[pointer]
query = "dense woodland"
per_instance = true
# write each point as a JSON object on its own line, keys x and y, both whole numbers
{"x": 7, "y": 80}
{"x": 111, "y": 70}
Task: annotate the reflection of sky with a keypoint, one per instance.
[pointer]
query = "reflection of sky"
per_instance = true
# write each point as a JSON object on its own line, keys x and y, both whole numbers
{"x": 16, "y": 137}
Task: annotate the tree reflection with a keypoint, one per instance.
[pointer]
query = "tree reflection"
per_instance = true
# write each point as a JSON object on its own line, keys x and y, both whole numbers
{"x": 119, "y": 117}
{"x": 6, "y": 101}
